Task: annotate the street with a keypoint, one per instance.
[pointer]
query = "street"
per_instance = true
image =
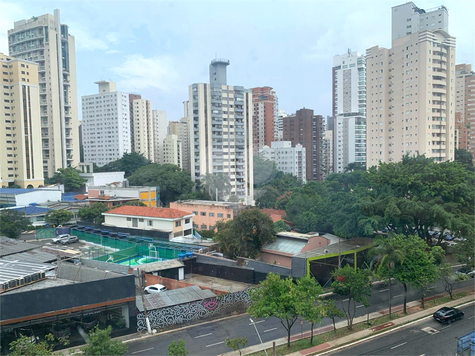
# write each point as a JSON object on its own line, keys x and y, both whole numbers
{"x": 425, "y": 337}
{"x": 209, "y": 339}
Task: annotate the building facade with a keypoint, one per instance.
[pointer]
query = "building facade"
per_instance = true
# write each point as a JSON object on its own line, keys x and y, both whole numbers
{"x": 46, "y": 41}
{"x": 307, "y": 129}
{"x": 160, "y": 128}
{"x": 182, "y": 130}
{"x": 349, "y": 110}
{"x": 143, "y": 128}
{"x": 410, "y": 98}
{"x": 408, "y": 19}
{"x": 105, "y": 124}
{"x": 288, "y": 159}
{"x": 20, "y": 128}
{"x": 279, "y": 125}
{"x": 172, "y": 151}
{"x": 221, "y": 132}
{"x": 465, "y": 107}
{"x": 264, "y": 101}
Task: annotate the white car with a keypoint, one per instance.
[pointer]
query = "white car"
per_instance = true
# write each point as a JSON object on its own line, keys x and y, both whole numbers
{"x": 155, "y": 288}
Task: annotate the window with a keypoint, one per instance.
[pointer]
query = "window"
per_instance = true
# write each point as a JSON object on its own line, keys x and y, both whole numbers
{"x": 203, "y": 227}
{"x": 228, "y": 216}
{"x": 177, "y": 223}
{"x": 211, "y": 215}
{"x": 187, "y": 221}
{"x": 211, "y": 227}
{"x": 150, "y": 222}
{"x": 140, "y": 220}
{"x": 220, "y": 215}
{"x": 129, "y": 219}
{"x": 195, "y": 212}
{"x": 203, "y": 213}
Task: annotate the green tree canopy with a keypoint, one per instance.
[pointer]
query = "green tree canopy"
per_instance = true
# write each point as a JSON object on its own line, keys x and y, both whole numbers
{"x": 245, "y": 235}
{"x": 93, "y": 213}
{"x": 236, "y": 344}
{"x": 174, "y": 183}
{"x": 264, "y": 170}
{"x": 23, "y": 346}
{"x": 70, "y": 178}
{"x": 177, "y": 348}
{"x": 310, "y": 306}
{"x": 12, "y": 223}
{"x": 216, "y": 183}
{"x": 355, "y": 286}
{"x": 465, "y": 158}
{"x": 58, "y": 217}
{"x": 101, "y": 344}
{"x": 280, "y": 226}
{"x": 129, "y": 163}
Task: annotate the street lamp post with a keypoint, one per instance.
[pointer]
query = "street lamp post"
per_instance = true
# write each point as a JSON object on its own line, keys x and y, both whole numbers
{"x": 255, "y": 327}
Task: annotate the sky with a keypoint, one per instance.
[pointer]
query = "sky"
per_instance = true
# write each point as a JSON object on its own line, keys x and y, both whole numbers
{"x": 158, "y": 48}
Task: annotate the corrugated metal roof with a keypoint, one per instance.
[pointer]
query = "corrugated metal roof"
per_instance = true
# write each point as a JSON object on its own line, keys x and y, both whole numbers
{"x": 34, "y": 256}
{"x": 32, "y": 210}
{"x": 173, "y": 297}
{"x": 291, "y": 246}
{"x": 10, "y": 246}
{"x": 11, "y": 270}
{"x": 160, "y": 266}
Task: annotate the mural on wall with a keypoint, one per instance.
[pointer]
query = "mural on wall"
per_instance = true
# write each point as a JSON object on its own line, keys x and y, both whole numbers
{"x": 178, "y": 314}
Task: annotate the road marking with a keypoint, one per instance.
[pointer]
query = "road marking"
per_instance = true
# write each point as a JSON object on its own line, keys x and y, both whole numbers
{"x": 430, "y": 330}
{"x": 218, "y": 343}
{"x": 404, "y": 343}
{"x": 136, "y": 352}
{"x": 383, "y": 290}
{"x": 423, "y": 355}
{"x": 472, "y": 317}
{"x": 399, "y": 295}
{"x": 270, "y": 330}
{"x": 196, "y": 337}
{"x": 360, "y": 306}
{"x": 257, "y": 322}
{"x": 446, "y": 327}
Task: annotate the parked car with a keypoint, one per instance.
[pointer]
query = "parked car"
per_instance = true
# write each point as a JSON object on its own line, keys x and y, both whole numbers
{"x": 69, "y": 240}
{"x": 469, "y": 271}
{"x": 447, "y": 315}
{"x": 58, "y": 239}
{"x": 155, "y": 288}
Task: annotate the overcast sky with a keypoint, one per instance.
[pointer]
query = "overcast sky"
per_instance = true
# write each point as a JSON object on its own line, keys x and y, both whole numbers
{"x": 158, "y": 48}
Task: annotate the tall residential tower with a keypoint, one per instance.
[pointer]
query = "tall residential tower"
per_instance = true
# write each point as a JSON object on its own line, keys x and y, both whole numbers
{"x": 46, "y": 41}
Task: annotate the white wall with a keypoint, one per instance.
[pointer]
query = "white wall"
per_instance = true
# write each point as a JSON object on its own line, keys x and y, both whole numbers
{"x": 38, "y": 196}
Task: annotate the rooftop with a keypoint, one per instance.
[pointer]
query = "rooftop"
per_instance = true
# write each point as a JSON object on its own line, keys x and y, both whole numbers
{"x": 10, "y": 246}
{"x": 32, "y": 210}
{"x": 160, "y": 266}
{"x": 35, "y": 256}
{"x": 208, "y": 202}
{"x": 16, "y": 191}
{"x": 164, "y": 213}
{"x": 343, "y": 247}
{"x": 284, "y": 245}
{"x": 296, "y": 235}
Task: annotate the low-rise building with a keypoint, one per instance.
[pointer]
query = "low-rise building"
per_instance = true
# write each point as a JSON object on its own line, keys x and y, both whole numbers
{"x": 23, "y": 197}
{"x": 207, "y": 212}
{"x": 177, "y": 223}
{"x": 288, "y": 159}
{"x": 150, "y": 196}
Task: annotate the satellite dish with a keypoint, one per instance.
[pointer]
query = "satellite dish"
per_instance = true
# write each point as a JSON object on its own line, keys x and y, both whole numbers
{"x": 326, "y": 251}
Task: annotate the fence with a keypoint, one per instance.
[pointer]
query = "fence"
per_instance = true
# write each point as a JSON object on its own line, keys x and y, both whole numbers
{"x": 47, "y": 233}
{"x": 179, "y": 314}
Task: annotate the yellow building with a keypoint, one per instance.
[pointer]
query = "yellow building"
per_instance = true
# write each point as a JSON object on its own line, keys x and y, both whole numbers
{"x": 20, "y": 130}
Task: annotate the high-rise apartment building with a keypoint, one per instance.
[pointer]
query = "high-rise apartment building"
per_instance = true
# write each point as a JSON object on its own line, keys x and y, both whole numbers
{"x": 410, "y": 91}
{"x": 20, "y": 128}
{"x": 172, "y": 150}
{"x": 264, "y": 100}
{"x": 465, "y": 107}
{"x": 408, "y": 19}
{"x": 160, "y": 130}
{"x": 221, "y": 131}
{"x": 105, "y": 124}
{"x": 307, "y": 129}
{"x": 46, "y": 41}
{"x": 288, "y": 159}
{"x": 349, "y": 110}
{"x": 279, "y": 125}
{"x": 182, "y": 130}
{"x": 143, "y": 128}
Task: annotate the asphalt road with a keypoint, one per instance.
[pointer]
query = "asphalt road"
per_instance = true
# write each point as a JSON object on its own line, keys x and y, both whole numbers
{"x": 426, "y": 337}
{"x": 209, "y": 339}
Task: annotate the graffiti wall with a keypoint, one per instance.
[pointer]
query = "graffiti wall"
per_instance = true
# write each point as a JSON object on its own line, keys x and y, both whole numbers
{"x": 178, "y": 314}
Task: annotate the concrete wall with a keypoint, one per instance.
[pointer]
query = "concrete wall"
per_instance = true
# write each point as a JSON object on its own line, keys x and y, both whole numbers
{"x": 299, "y": 267}
{"x": 106, "y": 266}
{"x": 80, "y": 273}
{"x": 262, "y": 267}
{"x": 280, "y": 259}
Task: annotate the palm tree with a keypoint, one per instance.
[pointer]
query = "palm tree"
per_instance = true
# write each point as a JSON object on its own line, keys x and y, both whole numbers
{"x": 389, "y": 255}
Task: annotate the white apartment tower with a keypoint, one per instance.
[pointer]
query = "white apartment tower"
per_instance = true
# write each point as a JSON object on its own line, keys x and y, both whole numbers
{"x": 278, "y": 124}
{"x": 143, "y": 128}
{"x": 349, "y": 110}
{"x": 172, "y": 150}
{"x": 410, "y": 97}
{"x": 408, "y": 19}
{"x": 46, "y": 41}
{"x": 182, "y": 130}
{"x": 20, "y": 130}
{"x": 160, "y": 129}
{"x": 221, "y": 131}
{"x": 288, "y": 159}
{"x": 105, "y": 124}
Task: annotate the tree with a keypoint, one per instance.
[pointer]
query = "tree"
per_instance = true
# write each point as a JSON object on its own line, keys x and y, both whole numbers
{"x": 93, "y": 213}
{"x": 355, "y": 286}
{"x": 174, "y": 182}
{"x": 128, "y": 163}
{"x": 276, "y": 297}
{"x": 100, "y": 343}
{"x": 12, "y": 223}
{"x": 25, "y": 347}
{"x": 451, "y": 278}
{"x": 465, "y": 158}
{"x": 389, "y": 255}
{"x": 70, "y": 178}
{"x": 216, "y": 183}
{"x": 419, "y": 268}
{"x": 245, "y": 235}
{"x": 331, "y": 311}
{"x": 264, "y": 170}
{"x": 281, "y": 226}
{"x": 58, "y": 217}
{"x": 177, "y": 348}
{"x": 310, "y": 307}
{"x": 236, "y": 344}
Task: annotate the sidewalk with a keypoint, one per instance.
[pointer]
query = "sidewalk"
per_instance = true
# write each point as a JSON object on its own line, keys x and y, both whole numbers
{"x": 370, "y": 332}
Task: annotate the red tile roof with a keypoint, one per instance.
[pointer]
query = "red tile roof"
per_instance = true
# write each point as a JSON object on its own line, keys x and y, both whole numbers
{"x": 275, "y": 214}
{"x": 146, "y": 211}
